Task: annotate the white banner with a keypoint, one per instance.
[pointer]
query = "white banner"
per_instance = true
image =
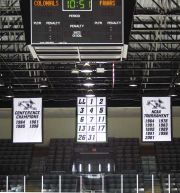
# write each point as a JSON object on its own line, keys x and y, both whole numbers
{"x": 91, "y": 119}
{"x": 156, "y": 119}
{"x": 27, "y": 120}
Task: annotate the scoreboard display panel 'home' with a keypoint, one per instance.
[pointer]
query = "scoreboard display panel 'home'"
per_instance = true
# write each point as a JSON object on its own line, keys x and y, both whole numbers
{"x": 76, "y": 22}
{"x": 91, "y": 119}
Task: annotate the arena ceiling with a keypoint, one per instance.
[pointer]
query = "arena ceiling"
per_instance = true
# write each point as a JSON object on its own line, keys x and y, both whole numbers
{"x": 153, "y": 61}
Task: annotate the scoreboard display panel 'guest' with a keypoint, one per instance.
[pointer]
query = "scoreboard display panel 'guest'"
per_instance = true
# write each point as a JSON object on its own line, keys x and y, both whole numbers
{"x": 91, "y": 119}
{"x": 156, "y": 119}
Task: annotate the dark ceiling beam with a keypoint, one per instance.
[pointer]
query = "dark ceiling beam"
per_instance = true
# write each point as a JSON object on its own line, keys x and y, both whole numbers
{"x": 19, "y": 30}
{"x": 159, "y": 6}
{"x": 10, "y": 12}
{"x": 155, "y": 41}
{"x": 129, "y": 51}
{"x": 177, "y": 5}
{"x": 168, "y": 61}
{"x": 128, "y": 68}
{"x": 155, "y": 29}
{"x": 83, "y": 77}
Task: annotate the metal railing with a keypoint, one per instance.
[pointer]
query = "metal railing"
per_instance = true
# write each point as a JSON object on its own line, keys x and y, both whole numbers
{"x": 104, "y": 183}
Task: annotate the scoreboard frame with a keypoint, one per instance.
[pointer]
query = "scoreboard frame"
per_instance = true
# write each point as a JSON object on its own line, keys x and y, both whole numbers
{"x": 74, "y": 44}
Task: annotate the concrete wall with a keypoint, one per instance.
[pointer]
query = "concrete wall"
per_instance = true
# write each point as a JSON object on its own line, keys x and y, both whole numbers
{"x": 60, "y": 123}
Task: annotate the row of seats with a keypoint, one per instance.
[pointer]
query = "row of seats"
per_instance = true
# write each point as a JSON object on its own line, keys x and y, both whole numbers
{"x": 60, "y": 155}
{"x": 168, "y": 156}
{"x": 127, "y": 155}
{"x": 15, "y": 158}
{"x": 124, "y": 155}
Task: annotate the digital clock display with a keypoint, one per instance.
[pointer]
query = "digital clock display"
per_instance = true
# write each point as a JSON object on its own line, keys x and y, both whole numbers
{"x": 77, "y": 5}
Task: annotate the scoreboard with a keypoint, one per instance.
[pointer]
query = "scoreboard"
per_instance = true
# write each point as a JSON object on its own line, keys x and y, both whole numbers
{"x": 91, "y": 119}
{"x": 76, "y": 22}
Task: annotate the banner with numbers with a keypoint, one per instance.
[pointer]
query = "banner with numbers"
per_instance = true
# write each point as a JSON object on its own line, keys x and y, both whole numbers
{"x": 91, "y": 119}
{"x": 156, "y": 119}
{"x": 27, "y": 120}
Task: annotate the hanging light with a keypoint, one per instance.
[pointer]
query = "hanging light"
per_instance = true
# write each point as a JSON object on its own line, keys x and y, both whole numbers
{"x": 1, "y": 81}
{"x": 43, "y": 84}
{"x": 90, "y": 93}
{"x": 9, "y": 92}
{"x": 133, "y": 82}
{"x": 172, "y": 91}
{"x": 75, "y": 70}
{"x": 88, "y": 82}
{"x": 177, "y": 80}
{"x": 86, "y": 68}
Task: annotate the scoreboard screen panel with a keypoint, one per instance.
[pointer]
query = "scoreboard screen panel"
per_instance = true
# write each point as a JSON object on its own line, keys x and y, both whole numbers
{"x": 156, "y": 119}
{"x": 77, "y": 22}
{"x": 91, "y": 119}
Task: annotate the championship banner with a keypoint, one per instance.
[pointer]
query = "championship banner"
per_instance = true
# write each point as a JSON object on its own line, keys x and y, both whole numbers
{"x": 91, "y": 119}
{"x": 27, "y": 120}
{"x": 156, "y": 119}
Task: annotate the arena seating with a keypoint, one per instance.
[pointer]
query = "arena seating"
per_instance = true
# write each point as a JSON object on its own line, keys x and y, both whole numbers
{"x": 15, "y": 158}
{"x": 60, "y": 155}
{"x": 118, "y": 155}
{"x": 168, "y": 156}
{"x": 127, "y": 155}
{"x": 113, "y": 159}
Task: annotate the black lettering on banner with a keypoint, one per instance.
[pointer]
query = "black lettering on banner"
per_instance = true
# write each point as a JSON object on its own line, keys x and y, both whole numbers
{"x": 101, "y": 110}
{"x": 91, "y": 119}
{"x": 149, "y": 137}
{"x": 101, "y": 128}
{"x": 82, "y": 119}
{"x": 82, "y": 137}
{"x": 150, "y": 129}
{"x": 91, "y": 110}
{"x": 91, "y": 101}
{"x": 20, "y": 126}
{"x": 82, "y": 110}
{"x": 101, "y": 119}
{"x": 91, "y": 137}
{"x": 101, "y": 101}
{"x": 82, "y": 128}
{"x": 82, "y": 101}
{"x": 91, "y": 128}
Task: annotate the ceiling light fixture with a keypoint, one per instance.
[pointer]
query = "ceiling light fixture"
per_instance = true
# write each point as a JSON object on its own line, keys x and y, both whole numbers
{"x": 88, "y": 82}
{"x": 1, "y": 81}
{"x": 43, "y": 84}
{"x": 172, "y": 91}
{"x": 90, "y": 93}
{"x": 75, "y": 70}
{"x": 86, "y": 68}
{"x": 100, "y": 70}
{"x": 9, "y": 92}
{"x": 177, "y": 80}
{"x": 133, "y": 82}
